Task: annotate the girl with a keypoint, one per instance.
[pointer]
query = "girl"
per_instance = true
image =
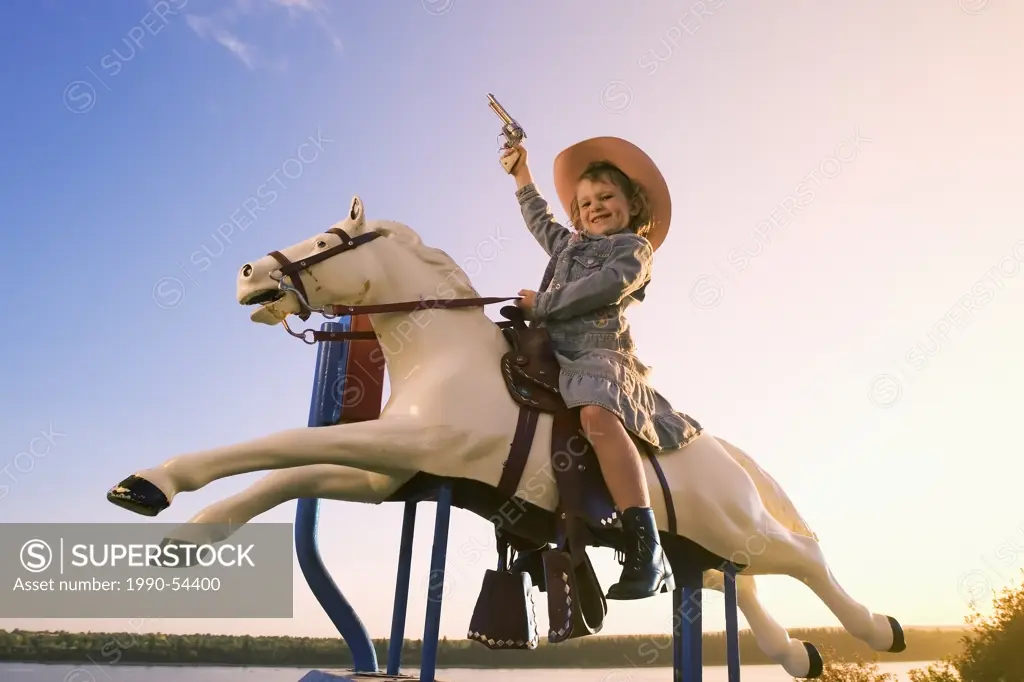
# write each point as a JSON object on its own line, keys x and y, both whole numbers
{"x": 619, "y": 207}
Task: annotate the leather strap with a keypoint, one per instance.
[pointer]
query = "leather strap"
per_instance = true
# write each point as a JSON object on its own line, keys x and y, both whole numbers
{"x": 320, "y": 336}
{"x": 519, "y": 452}
{"x": 347, "y": 244}
{"x": 410, "y": 306}
{"x": 670, "y": 508}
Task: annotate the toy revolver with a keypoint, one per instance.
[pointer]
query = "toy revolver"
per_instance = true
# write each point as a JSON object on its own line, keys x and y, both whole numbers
{"x": 513, "y": 132}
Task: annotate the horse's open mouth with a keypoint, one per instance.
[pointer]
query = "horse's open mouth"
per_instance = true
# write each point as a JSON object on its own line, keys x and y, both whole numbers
{"x": 263, "y": 297}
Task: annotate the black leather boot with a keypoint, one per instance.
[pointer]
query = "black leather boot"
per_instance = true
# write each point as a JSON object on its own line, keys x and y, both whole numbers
{"x": 645, "y": 569}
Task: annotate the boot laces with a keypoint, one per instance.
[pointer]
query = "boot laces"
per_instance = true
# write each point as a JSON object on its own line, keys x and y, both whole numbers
{"x": 633, "y": 561}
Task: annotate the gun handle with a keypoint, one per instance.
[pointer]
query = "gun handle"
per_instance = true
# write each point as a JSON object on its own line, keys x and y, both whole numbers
{"x": 509, "y": 162}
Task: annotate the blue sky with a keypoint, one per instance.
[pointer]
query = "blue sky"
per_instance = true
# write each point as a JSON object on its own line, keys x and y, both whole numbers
{"x": 130, "y": 140}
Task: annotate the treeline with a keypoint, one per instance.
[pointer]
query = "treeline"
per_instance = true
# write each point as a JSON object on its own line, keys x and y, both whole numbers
{"x": 588, "y": 652}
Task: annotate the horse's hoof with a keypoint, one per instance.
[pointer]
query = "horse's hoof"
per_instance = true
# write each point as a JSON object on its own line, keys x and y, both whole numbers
{"x": 899, "y": 642}
{"x": 138, "y": 495}
{"x": 816, "y": 666}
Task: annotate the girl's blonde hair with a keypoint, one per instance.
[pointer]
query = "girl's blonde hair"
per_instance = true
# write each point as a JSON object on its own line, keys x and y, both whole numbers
{"x": 609, "y": 172}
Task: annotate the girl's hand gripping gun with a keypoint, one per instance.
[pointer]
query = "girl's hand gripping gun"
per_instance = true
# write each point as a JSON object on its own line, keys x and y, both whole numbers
{"x": 513, "y": 132}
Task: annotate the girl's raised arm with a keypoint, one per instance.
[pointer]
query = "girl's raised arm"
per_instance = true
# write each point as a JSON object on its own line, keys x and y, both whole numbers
{"x": 551, "y": 234}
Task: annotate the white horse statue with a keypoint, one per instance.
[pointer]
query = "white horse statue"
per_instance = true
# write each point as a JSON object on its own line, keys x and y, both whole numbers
{"x": 450, "y": 414}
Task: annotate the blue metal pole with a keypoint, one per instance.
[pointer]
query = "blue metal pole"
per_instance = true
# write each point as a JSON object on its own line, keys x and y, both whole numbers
{"x": 687, "y": 636}
{"x": 435, "y": 587}
{"x": 402, "y": 590}
{"x": 732, "y": 629}
{"x": 693, "y": 631}
{"x": 677, "y": 634}
{"x": 325, "y": 410}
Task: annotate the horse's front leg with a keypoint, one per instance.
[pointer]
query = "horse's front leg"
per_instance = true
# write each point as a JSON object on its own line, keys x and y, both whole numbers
{"x": 396, "y": 444}
{"x": 220, "y": 520}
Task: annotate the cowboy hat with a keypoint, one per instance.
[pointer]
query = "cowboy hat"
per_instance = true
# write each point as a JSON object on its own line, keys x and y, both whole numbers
{"x": 632, "y": 161}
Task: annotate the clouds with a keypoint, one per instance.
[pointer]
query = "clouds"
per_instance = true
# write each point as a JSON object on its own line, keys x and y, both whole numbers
{"x": 225, "y": 24}
{"x": 208, "y": 28}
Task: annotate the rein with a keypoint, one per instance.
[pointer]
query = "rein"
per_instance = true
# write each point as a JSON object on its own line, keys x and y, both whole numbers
{"x": 331, "y": 311}
{"x": 291, "y": 271}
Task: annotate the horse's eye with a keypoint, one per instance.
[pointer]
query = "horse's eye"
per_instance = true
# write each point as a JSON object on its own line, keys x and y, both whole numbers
{"x": 321, "y": 244}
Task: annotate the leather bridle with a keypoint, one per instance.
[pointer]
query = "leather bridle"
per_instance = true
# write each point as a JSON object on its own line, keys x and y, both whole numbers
{"x": 290, "y": 271}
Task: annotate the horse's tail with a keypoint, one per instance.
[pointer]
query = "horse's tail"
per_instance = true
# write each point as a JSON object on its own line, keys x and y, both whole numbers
{"x": 772, "y": 495}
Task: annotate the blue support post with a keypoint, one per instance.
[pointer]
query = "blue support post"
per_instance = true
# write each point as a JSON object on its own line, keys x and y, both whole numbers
{"x": 687, "y": 635}
{"x": 732, "y": 634}
{"x": 325, "y": 410}
{"x": 402, "y": 590}
{"x": 435, "y": 587}
{"x": 677, "y": 637}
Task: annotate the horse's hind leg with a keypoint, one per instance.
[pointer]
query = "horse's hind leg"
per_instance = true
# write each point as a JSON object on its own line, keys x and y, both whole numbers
{"x": 799, "y": 556}
{"x": 219, "y": 520}
{"x": 798, "y": 658}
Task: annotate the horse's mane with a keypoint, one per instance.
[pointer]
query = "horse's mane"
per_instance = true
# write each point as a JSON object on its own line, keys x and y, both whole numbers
{"x": 437, "y": 258}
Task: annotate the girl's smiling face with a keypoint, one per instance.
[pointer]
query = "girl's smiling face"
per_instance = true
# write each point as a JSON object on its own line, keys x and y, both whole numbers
{"x": 604, "y": 208}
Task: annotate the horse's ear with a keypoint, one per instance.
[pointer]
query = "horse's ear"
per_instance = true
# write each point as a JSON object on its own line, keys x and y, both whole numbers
{"x": 355, "y": 211}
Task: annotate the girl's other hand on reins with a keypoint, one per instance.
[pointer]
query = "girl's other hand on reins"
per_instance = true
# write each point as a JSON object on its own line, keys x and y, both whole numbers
{"x": 527, "y": 301}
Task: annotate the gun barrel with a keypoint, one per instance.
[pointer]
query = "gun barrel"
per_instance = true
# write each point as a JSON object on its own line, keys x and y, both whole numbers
{"x": 499, "y": 110}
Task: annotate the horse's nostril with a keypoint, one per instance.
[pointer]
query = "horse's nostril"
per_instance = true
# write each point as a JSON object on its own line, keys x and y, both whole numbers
{"x": 246, "y": 270}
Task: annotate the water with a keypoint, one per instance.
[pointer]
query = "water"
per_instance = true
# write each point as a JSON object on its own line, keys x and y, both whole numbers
{"x": 21, "y": 672}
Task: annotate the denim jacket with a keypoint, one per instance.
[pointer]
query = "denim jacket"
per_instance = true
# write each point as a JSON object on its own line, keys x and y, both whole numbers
{"x": 590, "y": 280}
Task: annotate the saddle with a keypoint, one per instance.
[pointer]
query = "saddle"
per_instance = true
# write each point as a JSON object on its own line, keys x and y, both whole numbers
{"x": 531, "y": 373}
{"x": 576, "y": 602}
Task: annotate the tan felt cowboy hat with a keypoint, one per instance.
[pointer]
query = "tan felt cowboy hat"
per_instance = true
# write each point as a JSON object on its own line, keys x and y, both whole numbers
{"x": 632, "y": 161}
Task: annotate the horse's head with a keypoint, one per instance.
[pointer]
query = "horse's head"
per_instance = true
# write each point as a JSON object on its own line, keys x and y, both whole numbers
{"x": 355, "y": 262}
{"x": 333, "y": 267}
